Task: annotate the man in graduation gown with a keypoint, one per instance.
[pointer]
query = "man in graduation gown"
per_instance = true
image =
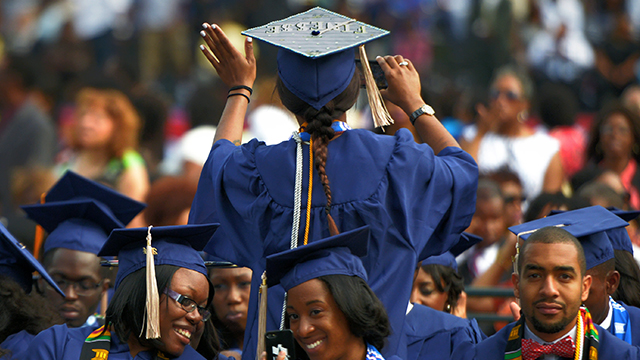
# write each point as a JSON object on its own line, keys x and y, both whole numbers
{"x": 551, "y": 283}
{"x": 79, "y": 214}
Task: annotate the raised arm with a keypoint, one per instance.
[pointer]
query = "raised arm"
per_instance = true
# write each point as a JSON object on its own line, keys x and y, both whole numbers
{"x": 404, "y": 91}
{"x": 238, "y": 72}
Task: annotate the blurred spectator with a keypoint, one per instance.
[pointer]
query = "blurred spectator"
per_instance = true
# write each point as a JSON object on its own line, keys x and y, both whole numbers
{"x": 163, "y": 33}
{"x": 488, "y": 222}
{"x": 153, "y": 110}
{"x": 27, "y": 135}
{"x": 440, "y": 287}
{"x": 559, "y": 51}
{"x": 601, "y": 194}
{"x": 629, "y": 289}
{"x": 542, "y": 205}
{"x": 614, "y": 146}
{"x": 502, "y": 139}
{"x": 558, "y": 107}
{"x": 104, "y": 142}
{"x": 511, "y": 188}
{"x": 631, "y": 99}
{"x": 169, "y": 201}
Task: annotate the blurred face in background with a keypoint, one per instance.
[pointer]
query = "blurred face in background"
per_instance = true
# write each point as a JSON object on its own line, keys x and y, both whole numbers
{"x": 232, "y": 288}
{"x": 507, "y": 99}
{"x": 513, "y": 199}
{"x": 426, "y": 293}
{"x": 488, "y": 221}
{"x": 94, "y": 128}
{"x": 616, "y": 136}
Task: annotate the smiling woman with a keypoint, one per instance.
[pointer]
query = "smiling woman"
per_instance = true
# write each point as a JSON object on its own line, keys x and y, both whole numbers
{"x": 330, "y": 308}
{"x": 181, "y": 312}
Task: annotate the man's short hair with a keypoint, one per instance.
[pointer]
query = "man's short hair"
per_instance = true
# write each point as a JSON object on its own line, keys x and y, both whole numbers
{"x": 552, "y": 235}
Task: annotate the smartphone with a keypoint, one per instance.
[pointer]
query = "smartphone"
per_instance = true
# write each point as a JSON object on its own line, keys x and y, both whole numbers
{"x": 280, "y": 340}
{"x": 378, "y": 74}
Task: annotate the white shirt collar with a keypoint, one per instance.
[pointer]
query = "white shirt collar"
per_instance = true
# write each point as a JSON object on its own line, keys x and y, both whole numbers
{"x": 606, "y": 323}
{"x": 409, "y": 308}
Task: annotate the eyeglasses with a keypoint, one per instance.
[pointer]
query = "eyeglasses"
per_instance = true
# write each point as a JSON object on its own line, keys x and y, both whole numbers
{"x": 511, "y": 95}
{"x": 609, "y": 129}
{"x": 84, "y": 287}
{"x": 514, "y": 198}
{"x": 187, "y": 304}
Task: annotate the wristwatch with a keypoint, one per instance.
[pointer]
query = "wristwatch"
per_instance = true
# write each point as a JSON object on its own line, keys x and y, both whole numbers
{"x": 424, "y": 109}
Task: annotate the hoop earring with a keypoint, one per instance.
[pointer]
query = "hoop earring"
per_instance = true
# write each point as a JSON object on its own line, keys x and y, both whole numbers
{"x": 522, "y": 116}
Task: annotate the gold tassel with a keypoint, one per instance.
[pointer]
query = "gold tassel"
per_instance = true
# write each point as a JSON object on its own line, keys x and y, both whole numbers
{"x": 379, "y": 110}
{"x": 262, "y": 315}
{"x": 152, "y": 311}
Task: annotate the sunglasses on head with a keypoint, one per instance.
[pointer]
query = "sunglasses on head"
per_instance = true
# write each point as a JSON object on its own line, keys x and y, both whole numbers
{"x": 510, "y": 94}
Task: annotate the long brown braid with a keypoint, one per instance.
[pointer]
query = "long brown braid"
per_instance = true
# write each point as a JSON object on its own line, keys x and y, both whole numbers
{"x": 319, "y": 127}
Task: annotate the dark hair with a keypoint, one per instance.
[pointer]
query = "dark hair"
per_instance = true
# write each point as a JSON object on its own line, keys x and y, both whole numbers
{"x": 538, "y": 204}
{"x": 365, "y": 313}
{"x": 593, "y": 152}
{"x": 503, "y": 175}
{"x": 453, "y": 282}
{"x": 518, "y": 73}
{"x": 628, "y": 290}
{"x": 167, "y": 198}
{"x": 552, "y": 235}
{"x": 319, "y": 127}
{"x": 19, "y": 311}
{"x": 209, "y": 346}
{"x": 104, "y": 272}
{"x": 127, "y": 307}
{"x": 597, "y": 190}
{"x": 558, "y": 105}
{"x": 488, "y": 190}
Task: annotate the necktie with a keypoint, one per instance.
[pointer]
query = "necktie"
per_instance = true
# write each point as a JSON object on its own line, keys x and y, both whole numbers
{"x": 532, "y": 349}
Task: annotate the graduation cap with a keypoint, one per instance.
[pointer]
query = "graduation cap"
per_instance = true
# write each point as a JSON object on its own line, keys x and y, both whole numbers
{"x": 466, "y": 241}
{"x": 316, "y": 61}
{"x": 336, "y": 255}
{"x": 17, "y": 263}
{"x": 619, "y": 237}
{"x": 79, "y": 213}
{"x": 589, "y": 225}
{"x": 149, "y": 247}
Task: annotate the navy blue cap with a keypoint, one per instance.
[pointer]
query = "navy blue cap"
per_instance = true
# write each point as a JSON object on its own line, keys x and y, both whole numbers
{"x": 80, "y": 213}
{"x": 589, "y": 225}
{"x": 448, "y": 258}
{"x": 316, "y": 60}
{"x": 619, "y": 238}
{"x": 336, "y": 255}
{"x": 72, "y": 186}
{"x": 176, "y": 245}
{"x": 17, "y": 263}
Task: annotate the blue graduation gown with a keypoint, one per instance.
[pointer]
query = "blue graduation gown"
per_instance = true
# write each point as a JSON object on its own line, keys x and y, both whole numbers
{"x": 412, "y": 199}
{"x": 634, "y": 318}
{"x": 61, "y": 343}
{"x": 433, "y": 335}
{"x": 17, "y": 344}
{"x": 494, "y": 346}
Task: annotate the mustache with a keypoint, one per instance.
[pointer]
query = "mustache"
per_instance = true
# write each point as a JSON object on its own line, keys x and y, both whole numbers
{"x": 550, "y": 301}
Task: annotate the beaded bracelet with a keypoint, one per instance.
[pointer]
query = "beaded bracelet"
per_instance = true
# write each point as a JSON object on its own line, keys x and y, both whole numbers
{"x": 240, "y": 87}
{"x": 239, "y": 94}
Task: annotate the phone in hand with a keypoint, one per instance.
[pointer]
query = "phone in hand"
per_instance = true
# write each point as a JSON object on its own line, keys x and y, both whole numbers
{"x": 378, "y": 74}
{"x": 275, "y": 341}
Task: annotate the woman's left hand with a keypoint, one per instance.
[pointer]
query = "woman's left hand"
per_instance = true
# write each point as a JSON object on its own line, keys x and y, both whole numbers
{"x": 233, "y": 68}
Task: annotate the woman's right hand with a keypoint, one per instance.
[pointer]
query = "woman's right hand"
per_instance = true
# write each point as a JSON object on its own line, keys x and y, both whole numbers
{"x": 233, "y": 68}
{"x": 404, "y": 82}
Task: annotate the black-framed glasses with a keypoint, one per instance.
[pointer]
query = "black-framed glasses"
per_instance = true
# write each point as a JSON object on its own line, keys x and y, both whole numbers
{"x": 83, "y": 287}
{"x": 511, "y": 95}
{"x": 187, "y": 304}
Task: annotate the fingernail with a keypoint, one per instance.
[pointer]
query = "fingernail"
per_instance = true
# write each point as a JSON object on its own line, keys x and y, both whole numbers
{"x": 214, "y": 26}
{"x": 203, "y": 34}
{"x": 378, "y": 57}
{"x": 202, "y": 47}
{"x": 250, "y": 39}
{"x": 204, "y": 25}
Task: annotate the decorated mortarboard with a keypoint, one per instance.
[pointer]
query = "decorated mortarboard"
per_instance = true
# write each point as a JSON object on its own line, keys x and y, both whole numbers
{"x": 589, "y": 225}
{"x": 336, "y": 255}
{"x": 153, "y": 246}
{"x": 17, "y": 263}
{"x": 619, "y": 237}
{"x": 466, "y": 241}
{"x": 79, "y": 213}
{"x": 316, "y": 61}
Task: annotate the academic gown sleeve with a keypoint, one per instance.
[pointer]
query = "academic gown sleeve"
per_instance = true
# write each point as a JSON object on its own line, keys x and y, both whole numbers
{"x": 634, "y": 318}
{"x": 413, "y": 200}
{"x": 17, "y": 344}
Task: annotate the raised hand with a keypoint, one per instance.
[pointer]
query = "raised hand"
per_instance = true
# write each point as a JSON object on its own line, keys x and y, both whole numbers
{"x": 233, "y": 68}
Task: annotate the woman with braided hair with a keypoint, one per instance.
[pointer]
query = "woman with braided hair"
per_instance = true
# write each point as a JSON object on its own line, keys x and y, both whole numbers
{"x": 417, "y": 198}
